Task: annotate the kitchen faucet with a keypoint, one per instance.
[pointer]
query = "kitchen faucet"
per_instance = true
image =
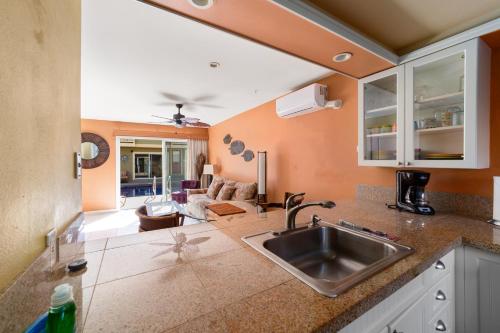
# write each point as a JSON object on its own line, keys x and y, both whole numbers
{"x": 293, "y": 206}
{"x": 292, "y": 213}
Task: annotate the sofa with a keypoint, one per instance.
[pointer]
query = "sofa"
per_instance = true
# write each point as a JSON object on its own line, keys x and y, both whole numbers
{"x": 224, "y": 190}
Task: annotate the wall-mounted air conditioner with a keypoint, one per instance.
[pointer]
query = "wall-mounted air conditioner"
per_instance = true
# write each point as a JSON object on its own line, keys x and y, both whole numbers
{"x": 306, "y": 100}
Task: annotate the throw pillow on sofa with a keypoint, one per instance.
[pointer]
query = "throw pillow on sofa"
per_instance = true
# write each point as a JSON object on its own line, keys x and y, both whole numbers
{"x": 215, "y": 187}
{"x": 226, "y": 192}
{"x": 244, "y": 191}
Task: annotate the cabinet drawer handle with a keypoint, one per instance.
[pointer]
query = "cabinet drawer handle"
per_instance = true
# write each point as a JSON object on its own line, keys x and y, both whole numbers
{"x": 440, "y": 296}
{"x": 440, "y": 326}
{"x": 439, "y": 265}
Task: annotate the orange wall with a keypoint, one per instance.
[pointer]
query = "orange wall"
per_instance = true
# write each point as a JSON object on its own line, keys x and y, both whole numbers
{"x": 316, "y": 153}
{"x": 99, "y": 184}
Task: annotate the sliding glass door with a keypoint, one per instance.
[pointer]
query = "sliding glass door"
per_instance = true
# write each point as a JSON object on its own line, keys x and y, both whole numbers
{"x": 175, "y": 153}
{"x": 150, "y": 169}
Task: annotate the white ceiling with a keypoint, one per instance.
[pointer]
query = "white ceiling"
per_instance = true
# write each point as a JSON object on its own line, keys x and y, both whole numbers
{"x": 132, "y": 52}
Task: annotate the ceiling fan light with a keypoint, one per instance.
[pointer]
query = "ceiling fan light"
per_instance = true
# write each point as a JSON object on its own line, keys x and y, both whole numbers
{"x": 201, "y": 4}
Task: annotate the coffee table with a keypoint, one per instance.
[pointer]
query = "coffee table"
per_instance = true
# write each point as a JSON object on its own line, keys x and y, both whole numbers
{"x": 191, "y": 210}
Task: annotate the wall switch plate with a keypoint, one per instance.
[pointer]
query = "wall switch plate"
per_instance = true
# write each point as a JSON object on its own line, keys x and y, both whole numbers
{"x": 78, "y": 165}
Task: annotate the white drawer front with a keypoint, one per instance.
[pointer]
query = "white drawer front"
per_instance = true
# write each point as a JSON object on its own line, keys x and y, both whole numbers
{"x": 440, "y": 268}
{"x": 439, "y": 296}
{"x": 443, "y": 321}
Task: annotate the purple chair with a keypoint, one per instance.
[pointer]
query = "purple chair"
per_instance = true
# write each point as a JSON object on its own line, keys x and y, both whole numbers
{"x": 181, "y": 196}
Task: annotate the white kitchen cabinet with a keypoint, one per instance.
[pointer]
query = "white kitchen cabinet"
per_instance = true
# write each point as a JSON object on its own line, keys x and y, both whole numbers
{"x": 381, "y": 119}
{"x": 430, "y": 112}
{"x": 447, "y": 108}
{"x": 410, "y": 321}
{"x": 425, "y": 304}
{"x": 480, "y": 302}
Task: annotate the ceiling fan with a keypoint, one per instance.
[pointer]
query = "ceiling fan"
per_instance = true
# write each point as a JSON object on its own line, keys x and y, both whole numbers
{"x": 180, "y": 121}
{"x": 191, "y": 104}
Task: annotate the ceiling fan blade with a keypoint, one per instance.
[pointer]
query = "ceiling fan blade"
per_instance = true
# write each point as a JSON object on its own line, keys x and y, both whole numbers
{"x": 203, "y": 98}
{"x": 173, "y": 97}
{"x": 210, "y": 106}
{"x": 169, "y": 119}
{"x": 190, "y": 120}
{"x": 198, "y": 124}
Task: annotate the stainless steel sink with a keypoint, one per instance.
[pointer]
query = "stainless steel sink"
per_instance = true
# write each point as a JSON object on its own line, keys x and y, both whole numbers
{"x": 329, "y": 258}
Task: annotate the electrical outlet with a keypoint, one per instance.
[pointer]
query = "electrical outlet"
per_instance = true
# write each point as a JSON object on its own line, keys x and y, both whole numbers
{"x": 50, "y": 241}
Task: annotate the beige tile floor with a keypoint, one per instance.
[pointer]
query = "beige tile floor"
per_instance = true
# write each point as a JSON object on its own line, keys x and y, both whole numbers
{"x": 137, "y": 283}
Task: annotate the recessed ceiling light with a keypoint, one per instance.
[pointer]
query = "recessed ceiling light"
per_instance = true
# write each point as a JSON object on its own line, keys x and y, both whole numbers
{"x": 202, "y": 4}
{"x": 214, "y": 64}
{"x": 341, "y": 57}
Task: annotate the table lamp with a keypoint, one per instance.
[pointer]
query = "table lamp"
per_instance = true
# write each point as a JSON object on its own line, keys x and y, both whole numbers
{"x": 208, "y": 170}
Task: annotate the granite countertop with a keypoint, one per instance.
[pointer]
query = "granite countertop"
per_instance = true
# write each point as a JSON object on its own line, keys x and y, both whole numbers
{"x": 215, "y": 282}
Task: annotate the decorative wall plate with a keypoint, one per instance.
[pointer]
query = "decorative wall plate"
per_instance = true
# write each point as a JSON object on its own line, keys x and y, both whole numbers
{"x": 237, "y": 147}
{"x": 248, "y": 155}
{"x": 227, "y": 139}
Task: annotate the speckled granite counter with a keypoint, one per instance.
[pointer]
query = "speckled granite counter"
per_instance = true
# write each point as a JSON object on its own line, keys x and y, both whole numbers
{"x": 215, "y": 282}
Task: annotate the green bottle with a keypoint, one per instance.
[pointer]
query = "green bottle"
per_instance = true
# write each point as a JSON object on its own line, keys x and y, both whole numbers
{"x": 62, "y": 312}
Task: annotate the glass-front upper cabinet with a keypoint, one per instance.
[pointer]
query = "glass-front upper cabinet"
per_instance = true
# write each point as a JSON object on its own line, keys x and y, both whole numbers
{"x": 447, "y": 112}
{"x": 429, "y": 112}
{"x": 381, "y": 118}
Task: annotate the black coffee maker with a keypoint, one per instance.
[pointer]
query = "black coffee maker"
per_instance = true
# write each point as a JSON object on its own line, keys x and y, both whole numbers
{"x": 410, "y": 191}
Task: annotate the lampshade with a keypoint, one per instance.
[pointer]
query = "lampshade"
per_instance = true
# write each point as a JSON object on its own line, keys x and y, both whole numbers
{"x": 208, "y": 169}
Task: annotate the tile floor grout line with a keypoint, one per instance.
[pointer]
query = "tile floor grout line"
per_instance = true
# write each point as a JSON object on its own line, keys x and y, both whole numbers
{"x": 195, "y": 318}
{"x": 132, "y": 244}
{"x": 171, "y": 265}
{"x": 152, "y": 240}
{"x": 187, "y": 321}
{"x": 141, "y": 273}
{"x": 88, "y": 308}
{"x": 99, "y": 270}
{"x": 245, "y": 299}
{"x": 94, "y": 287}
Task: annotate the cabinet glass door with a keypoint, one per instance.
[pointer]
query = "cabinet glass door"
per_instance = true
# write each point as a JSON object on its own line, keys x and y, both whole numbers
{"x": 435, "y": 110}
{"x": 380, "y": 119}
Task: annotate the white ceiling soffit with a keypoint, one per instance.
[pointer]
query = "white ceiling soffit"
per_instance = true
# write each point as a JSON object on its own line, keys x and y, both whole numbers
{"x": 138, "y": 61}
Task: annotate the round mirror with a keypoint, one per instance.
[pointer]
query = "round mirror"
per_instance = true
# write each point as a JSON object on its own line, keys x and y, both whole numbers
{"x": 95, "y": 150}
{"x": 89, "y": 150}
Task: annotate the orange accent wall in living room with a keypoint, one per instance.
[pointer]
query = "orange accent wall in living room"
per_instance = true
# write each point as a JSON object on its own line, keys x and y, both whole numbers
{"x": 99, "y": 184}
{"x": 316, "y": 153}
